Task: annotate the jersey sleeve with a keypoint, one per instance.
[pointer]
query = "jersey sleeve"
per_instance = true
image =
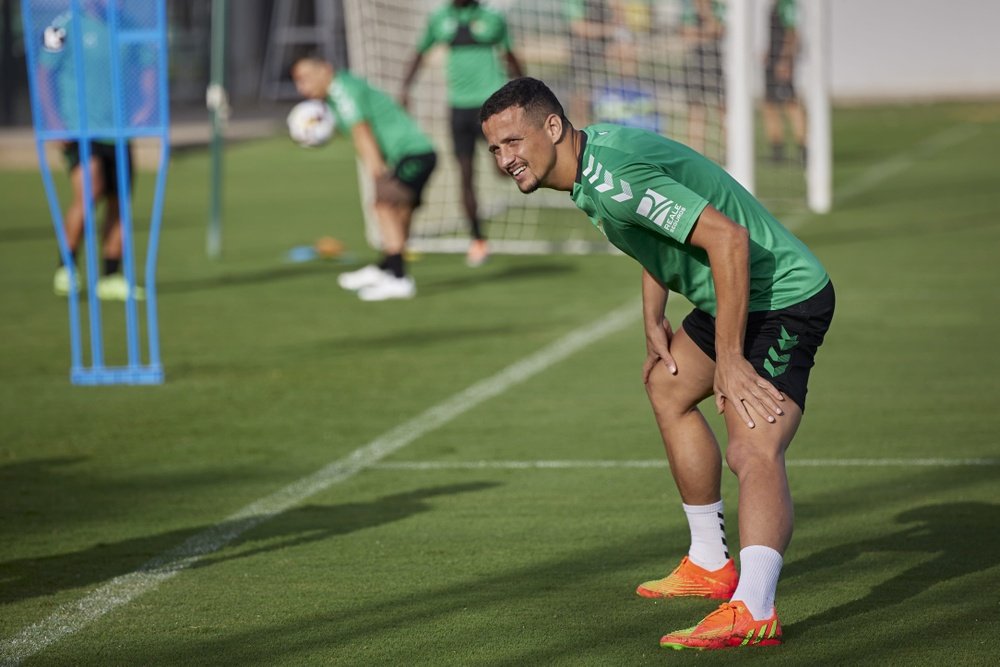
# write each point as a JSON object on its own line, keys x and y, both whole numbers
{"x": 347, "y": 99}
{"x": 788, "y": 13}
{"x": 503, "y": 34}
{"x": 658, "y": 202}
{"x": 55, "y": 41}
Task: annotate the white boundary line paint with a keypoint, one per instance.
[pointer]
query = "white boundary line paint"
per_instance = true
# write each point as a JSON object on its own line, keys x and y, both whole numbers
{"x": 662, "y": 463}
{"x": 74, "y": 616}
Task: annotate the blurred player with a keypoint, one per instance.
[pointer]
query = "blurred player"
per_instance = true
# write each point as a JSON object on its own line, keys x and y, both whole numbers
{"x": 703, "y": 30}
{"x": 762, "y": 304}
{"x": 779, "y": 78}
{"x": 475, "y": 36}
{"x": 57, "y": 93}
{"x": 398, "y": 157}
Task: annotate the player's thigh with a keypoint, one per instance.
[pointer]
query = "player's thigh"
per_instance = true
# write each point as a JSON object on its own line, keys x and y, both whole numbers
{"x": 693, "y": 381}
{"x": 465, "y": 131}
{"x": 97, "y": 180}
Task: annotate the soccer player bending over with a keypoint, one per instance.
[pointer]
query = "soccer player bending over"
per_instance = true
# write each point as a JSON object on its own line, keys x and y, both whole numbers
{"x": 763, "y": 303}
{"x": 398, "y": 157}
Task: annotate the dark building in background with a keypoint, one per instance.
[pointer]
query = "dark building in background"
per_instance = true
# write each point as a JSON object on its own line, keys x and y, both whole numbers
{"x": 253, "y": 26}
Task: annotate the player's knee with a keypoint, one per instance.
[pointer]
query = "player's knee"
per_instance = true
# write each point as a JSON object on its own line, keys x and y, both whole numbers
{"x": 743, "y": 454}
{"x": 667, "y": 392}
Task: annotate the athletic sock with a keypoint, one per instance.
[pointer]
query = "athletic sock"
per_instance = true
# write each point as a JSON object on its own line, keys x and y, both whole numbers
{"x": 760, "y": 568}
{"x": 111, "y": 265}
{"x": 395, "y": 265}
{"x": 708, "y": 535}
{"x": 72, "y": 256}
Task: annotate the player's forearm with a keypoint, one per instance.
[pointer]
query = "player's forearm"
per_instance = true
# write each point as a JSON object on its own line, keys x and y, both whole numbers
{"x": 368, "y": 150}
{"x": 514, "y": 67}
{"x": 790, "y": 46}
{"x": 411, "y": 72}
{"x": 730, "y": 262}
{"x": 654, "y": 301}
{"x": 47, "y": 100}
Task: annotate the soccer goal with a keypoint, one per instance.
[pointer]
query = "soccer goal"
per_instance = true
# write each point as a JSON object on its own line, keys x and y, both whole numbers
{"x": 684, "y": 68}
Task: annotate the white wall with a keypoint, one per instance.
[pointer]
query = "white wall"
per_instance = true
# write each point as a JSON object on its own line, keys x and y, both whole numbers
{"x": 903, "y": 49}
{"x": 883, "y": 49}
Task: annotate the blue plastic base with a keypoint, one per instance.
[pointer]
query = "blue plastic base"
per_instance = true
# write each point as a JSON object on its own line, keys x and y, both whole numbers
{"x": 121, "y": 375}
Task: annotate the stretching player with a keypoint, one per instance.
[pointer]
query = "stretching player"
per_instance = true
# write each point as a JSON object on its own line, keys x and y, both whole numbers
{"x": 398, "y": 157}
{"x": 762, "y": 304}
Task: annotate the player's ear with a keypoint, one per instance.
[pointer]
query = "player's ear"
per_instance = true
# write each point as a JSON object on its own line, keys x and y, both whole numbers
{"x": 554, "y": 127}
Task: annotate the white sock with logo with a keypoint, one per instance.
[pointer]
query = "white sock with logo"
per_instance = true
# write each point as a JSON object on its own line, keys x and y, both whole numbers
{"x": 708, "y": 535}
{"x": 760, "y": 568}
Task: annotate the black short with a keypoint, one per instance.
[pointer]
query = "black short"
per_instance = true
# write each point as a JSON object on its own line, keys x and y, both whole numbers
{"x": 412, "y": 171}
{"x": 777, "y": 91}
{"x": 781, "y": 344}
{"x": 106, "y": 155}
{"x": 465, "y": 130}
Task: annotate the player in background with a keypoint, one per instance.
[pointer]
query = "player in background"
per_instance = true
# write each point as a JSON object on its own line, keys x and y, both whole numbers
{"x": 475, "y": 36}
{"x": 398, "y": 157}
{"x": 57, "y": 93}
{"x": 780, "y": 99}
{"x": 763, "y": 304}
{"x": 703, "y": 29}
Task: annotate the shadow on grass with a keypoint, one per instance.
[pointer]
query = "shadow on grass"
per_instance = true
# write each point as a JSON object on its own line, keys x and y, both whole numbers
{"x": 518, "y": 271}
{"x": 284, "y": 272}
{"x": 33, "y": 577}
{"x": 962, "y": 538}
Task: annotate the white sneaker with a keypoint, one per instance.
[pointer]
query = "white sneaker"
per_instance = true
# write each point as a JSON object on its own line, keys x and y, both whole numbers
{"x": 390, "y": 287}
{"x": 363, "y": 277}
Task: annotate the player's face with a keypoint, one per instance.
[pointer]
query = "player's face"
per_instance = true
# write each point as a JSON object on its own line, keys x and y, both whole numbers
{"x": 522, "y": 148}
{"x": 311, "y": 79}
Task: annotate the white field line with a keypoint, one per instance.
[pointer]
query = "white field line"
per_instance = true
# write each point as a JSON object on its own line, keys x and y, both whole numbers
{"x": 882, "y": 171}
{"x": 662, "y": 463}
{"x": 74, "y": 616}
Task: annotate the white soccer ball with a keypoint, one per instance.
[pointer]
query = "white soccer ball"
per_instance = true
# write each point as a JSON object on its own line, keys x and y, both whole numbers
{"x": 311, "y": 123}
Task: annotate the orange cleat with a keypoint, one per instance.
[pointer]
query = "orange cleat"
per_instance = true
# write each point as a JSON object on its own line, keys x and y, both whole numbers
{"x": 731, "y": 624}
{"x": 690, "y": 580}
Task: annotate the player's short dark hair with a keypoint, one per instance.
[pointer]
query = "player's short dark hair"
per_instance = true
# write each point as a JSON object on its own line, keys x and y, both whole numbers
{"x": 313, "y": 57}
{"x": 537, "y": 100}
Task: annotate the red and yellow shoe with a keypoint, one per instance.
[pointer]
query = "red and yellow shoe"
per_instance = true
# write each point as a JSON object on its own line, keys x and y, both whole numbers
{"x": 731, "y": 624}
{"x": 690, "y": 580}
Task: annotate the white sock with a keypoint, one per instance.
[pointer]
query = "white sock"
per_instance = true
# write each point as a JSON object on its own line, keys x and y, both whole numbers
{"x": 708, "y": 535}
{"x": 760, "y": 567}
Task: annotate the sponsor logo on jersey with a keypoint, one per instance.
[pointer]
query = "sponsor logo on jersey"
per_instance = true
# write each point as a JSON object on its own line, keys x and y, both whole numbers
{"x": 666, "y": 213}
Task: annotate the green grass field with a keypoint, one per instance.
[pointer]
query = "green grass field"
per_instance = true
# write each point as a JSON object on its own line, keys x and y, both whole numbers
{"x": 273, "y": 373}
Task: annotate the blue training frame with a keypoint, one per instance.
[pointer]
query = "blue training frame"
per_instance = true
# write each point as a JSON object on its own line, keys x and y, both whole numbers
{"x": 97, "y": 373}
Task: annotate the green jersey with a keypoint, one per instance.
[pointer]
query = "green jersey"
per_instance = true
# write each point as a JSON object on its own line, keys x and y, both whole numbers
{"x": 472, "y": 34}
{"x": 56, "y": 56}
{"x": 353, "y": 100}
{"x": 645, "y": 192}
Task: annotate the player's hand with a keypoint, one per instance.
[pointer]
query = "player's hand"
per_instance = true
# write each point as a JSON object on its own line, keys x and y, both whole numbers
{"x": 748, "y": 393}
{"x": 658, "y": 339}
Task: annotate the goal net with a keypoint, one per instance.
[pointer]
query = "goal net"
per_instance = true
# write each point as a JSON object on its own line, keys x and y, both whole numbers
{"x": 656, "y": 64}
